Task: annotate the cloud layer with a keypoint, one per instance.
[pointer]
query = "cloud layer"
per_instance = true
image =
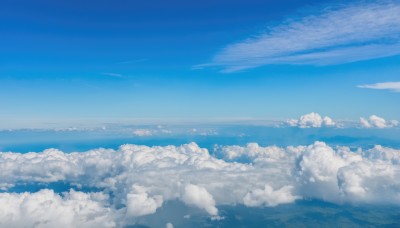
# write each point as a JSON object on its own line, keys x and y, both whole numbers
{"x": 335, "y": 35}
{"x": 137, "y": 180}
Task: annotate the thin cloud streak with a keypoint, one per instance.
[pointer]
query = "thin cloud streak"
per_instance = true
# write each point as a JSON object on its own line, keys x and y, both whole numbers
{"x": 115, "y": 75}
{"x": 346, "y": 34}
{"x": 391, "y": 86}
{"x": 133, "y": 61}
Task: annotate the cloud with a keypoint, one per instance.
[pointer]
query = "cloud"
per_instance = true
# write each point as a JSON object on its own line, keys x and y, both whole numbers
{"x": 134, "y": 180}
{"x": 377, "y": 122}
{"x": 142, "y": 132}
{"x": 269, "y": 197}
{"x": 391, "y": 86}
{"x": 201, "y": 198}
{"x": 203, "y": 132}
{"x": 48, "y": 209}
{"x": 133, "y": 61}
{"x": 139, "y": 203}
{"x": 159, "y": 130}
{"x": 311, "y": 120}
{"x": 115, "y": 75}
{"x": 335, "y": 35}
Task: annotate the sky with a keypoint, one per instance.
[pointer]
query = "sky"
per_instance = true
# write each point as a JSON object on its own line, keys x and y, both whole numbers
{"x": 71, "y": 62}
{"x": 123, "y": 113}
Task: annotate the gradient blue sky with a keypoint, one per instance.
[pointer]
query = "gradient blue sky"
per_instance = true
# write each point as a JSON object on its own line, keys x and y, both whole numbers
{"x": 121, "y": 60}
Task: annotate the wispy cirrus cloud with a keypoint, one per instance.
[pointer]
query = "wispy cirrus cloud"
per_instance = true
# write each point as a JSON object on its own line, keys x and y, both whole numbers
{"x": 391, "y": 86}
{"x": 134, "y": 61}
{"x": 115, "y": 75}
{"x": 330, "y": 36}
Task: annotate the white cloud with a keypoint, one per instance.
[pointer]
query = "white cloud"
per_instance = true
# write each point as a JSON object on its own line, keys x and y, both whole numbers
{"x": 139, "y": 203}
{"x": 203, "y": 132}
{"x": 391, "y": 86}
{"x": 115, "y": 75}
{"x": 142, "y": 132}
{"x": 147, "y": 132}
{"x": 377, "y": 122}
{"x": 139, "y": 179}
{"x": 201, "y": 198}
{"x": 327, "y": 121}
{"x": 269, "y": 197}
{"x": 334, "y": 35}
{"x": 311, "y": 120}
{"x": 364, "y": 122}
{"x": 47, "y": 209}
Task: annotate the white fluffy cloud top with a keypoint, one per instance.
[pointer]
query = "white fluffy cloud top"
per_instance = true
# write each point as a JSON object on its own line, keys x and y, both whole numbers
{"x": 315, "y": 120}
{"x": 312, "y": 120}
{"x": 134, "y": 181}
{"x": 377, "y": 122}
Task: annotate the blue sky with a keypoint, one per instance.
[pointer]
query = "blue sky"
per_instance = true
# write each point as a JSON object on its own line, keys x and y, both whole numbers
{"x": 116, "y": 61}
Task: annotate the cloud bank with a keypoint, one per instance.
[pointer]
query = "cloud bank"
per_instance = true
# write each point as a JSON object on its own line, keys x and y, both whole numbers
{"x": 335, "y": 35}
{"x": 134, "y": 180}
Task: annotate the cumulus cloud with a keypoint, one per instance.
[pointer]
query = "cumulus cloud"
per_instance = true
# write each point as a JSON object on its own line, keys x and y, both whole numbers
{"x": 334, "y": 35}
{"x": 137, "y": 180}
{"x": 377, "y": 122}
{"x": 139, "y": 203}
{"x": 312, "y": 120}
{"x": 200, "y": 197}
{"x": 391, "y": 86}
{"x": 48, "y": 209}
{"x": 269, "y": 197}
{"x": 322, "y": 172}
